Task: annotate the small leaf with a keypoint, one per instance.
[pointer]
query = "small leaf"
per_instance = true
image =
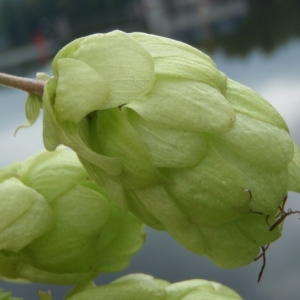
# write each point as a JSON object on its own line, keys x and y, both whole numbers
{"x": 33, "y": 106}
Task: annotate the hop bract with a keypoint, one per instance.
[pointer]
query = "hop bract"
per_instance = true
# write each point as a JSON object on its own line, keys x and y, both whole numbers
{"x": 174, "y": 140}
{"x": 142, "y": 286}
{"x": 57, "y": 226}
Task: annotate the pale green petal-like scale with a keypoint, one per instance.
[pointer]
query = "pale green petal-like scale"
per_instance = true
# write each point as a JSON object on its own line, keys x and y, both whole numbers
{"x": 187, "y": 69}
{"x": 66, "y": 51}
{"x": 54, "y": 134}
{"x": 93, "y": 213}
{"x": 246, "y": 101}
{"x": 126, "y": 288}
{"x": 121, "y": 61}
{"x": 195, "y": 289}
{"x": 268, "y": 188}
{"x": 159, "y": 46}
{"x": 214, "y": 188}
{"x": 173, "y": 58}
{"x": 117, "y": 138}
{"x": 118, "y": 232}
{"x": 190, "y": 106}
{"x": 252, "y": 223}
{"x": 34, "y": 274}
{"x": 169, "y": 147}
{"x": 43, "y": 175}
{"x": 111, "y": 165}
{"x": 141, "y": 286}
{"x": 13, "y": 207}
{"x": 138, "y": 208}
{"x": 81, "y": 94}
{"x": 25, "y": 215}
{"x": 158, "y": 202}
{"x": 223, "y": 241}
{"x": 261, "y": 143}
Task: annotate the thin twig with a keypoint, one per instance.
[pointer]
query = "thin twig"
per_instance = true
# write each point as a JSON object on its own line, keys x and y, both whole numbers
{"x": 31, "y": 86}
{"x": 282, "y": 218}
{"x": 263, "y": 255}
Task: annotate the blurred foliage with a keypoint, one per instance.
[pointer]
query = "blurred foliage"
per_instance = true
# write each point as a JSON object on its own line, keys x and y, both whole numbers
{"x": 21, "y": 19}
{"x": 268, "y": 23}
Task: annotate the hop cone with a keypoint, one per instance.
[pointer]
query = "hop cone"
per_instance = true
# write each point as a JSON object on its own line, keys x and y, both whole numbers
{"x": 173, "y": 139}
{"x": 141, "y": 286}
{"x": 7, "y": 296}
{"x": 57, "y": 226}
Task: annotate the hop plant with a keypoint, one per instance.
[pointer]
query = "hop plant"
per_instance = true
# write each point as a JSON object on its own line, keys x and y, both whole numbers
{"x": 173, "y": 140}
{"x": 141, "y": 286}
{"x": 57, "y": 226}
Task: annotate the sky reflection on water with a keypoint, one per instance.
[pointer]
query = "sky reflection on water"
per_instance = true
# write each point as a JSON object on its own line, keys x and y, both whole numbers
{"x": 277, "y": 78}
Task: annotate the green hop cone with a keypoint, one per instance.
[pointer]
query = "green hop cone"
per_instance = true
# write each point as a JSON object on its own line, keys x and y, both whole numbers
{"x": 141, "y": 286}
{"x": 7, "y": 296}
{"x": 58, "y": 226}
{"x": 173, "y": 139}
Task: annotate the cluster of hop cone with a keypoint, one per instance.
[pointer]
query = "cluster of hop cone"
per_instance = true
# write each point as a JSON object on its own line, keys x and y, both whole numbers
{"x": 155, "y": 135}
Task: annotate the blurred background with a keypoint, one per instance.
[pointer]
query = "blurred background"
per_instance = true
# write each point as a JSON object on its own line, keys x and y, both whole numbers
{"x": 254, "y": 42}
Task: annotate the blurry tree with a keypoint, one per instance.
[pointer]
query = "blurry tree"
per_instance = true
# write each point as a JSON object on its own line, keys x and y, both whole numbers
{"x": 20, "y": 19}
{"x": 268, "y": 24}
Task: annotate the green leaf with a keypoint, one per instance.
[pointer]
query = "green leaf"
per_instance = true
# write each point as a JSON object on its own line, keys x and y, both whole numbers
{"x": 33, "y": 106}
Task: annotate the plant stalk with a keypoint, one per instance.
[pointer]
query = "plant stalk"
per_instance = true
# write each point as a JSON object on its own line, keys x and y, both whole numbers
{"x": 31, "y": 86}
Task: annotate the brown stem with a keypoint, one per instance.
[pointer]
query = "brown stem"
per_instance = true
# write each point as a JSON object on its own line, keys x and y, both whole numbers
{"x": 31, "y": 86}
